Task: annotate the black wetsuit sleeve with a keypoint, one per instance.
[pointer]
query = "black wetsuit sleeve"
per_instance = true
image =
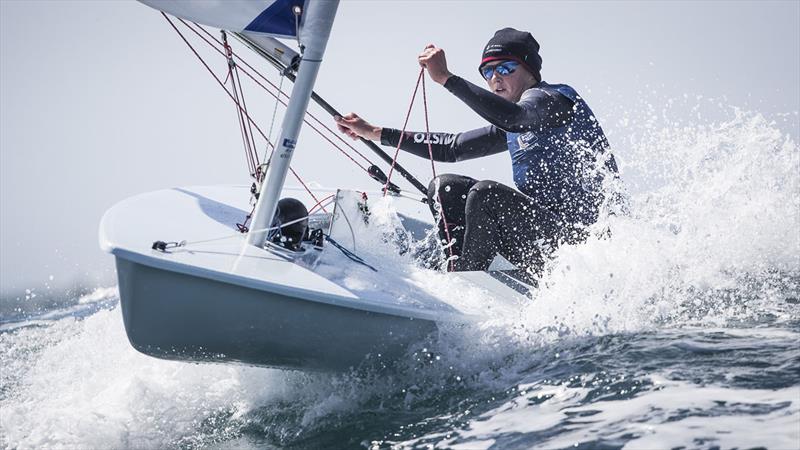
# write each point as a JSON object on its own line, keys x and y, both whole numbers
{"x": 448, "y": 147}
{"x": 536, "y": 109}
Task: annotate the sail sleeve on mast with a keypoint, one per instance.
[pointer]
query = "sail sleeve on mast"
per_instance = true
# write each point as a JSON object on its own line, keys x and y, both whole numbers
{"x": 270, "y": 17}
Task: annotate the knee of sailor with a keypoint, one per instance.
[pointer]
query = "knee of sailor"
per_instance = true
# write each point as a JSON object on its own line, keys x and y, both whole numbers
{"x": 482, "y": 189}
{"x": 438, "y": 184}
{"x": 442, "y": 180}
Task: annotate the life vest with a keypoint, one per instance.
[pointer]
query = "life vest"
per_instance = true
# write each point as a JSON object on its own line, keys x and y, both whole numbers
{"x": 556, "y": 166}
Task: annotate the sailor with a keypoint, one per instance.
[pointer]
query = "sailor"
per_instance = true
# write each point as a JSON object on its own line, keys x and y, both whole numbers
{"x": 559, "y": 157}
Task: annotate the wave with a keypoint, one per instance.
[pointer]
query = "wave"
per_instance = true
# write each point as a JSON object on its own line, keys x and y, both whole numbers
{"x": 678, "y": 323}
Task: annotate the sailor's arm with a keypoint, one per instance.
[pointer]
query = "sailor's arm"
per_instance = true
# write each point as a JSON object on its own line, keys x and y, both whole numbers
{"x": 445, "y": 147}
{"x": 448, "y": 147}
{"x": 536, "y": 109}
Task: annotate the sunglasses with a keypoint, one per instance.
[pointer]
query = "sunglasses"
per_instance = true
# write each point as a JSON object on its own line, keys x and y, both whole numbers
{"x": 502, "y": 69}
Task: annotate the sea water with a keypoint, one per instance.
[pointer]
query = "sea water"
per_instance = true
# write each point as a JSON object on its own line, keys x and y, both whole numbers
{"x": 678, "y": 329}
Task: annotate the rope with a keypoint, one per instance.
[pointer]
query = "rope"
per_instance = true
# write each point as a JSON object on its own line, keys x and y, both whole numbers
{"x": 164, "y": 246}
{"x": 320, "y": 202}
{"x": 307, "y": 188}
{"x": 421, "y": 80}
{"x": 246, "y": 122}
{"x": 161, "y": 245}
{"x": 220, "y": 82}
{"x": 234, "y": 99}
{"x": 348, "y": 253}
{"x": 433, "y": 169}
{"x": 279, "y": 93}
{"x": 403, "y": 132}
{"x": 274, "y": 112}
{"x": 245, "y": 127}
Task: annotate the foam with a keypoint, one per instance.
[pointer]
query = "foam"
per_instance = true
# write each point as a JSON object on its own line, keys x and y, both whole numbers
{"x": 711, "y": 241}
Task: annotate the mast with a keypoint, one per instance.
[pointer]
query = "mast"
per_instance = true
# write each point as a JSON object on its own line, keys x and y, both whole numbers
{"x": 285, "y": 59}
{"x": 317, "y": 22}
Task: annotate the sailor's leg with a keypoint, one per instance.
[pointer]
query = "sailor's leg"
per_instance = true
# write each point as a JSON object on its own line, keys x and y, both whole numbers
{"x": 502, "y": 220}
{"x": 450, "y": 192}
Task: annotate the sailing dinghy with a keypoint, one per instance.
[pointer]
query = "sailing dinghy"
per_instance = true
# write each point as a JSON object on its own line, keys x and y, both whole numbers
{"x": 193, "y": 287}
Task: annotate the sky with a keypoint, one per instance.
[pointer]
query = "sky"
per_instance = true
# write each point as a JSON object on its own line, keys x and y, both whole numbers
{"x": 100, "y": 100}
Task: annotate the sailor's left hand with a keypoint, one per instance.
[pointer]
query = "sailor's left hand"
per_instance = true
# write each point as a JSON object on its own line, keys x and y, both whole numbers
{"x": 355, "y": 127}
{"x": 433, "y": 59}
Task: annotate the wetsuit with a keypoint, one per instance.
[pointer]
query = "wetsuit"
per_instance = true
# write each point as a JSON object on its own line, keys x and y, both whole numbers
{"x": 556, "y": 145}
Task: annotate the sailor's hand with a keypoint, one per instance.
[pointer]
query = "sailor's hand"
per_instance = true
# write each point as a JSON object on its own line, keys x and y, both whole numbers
{"x": 433, "y": 59}
{"x": 355, "y": 127}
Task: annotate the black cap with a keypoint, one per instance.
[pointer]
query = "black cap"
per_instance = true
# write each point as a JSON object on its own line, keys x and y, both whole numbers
{"x": 509, "y": 43}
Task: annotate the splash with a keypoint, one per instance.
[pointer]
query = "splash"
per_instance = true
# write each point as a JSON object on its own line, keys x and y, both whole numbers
{"x": 711, "y": 240}
{"x": 712, "y": 235}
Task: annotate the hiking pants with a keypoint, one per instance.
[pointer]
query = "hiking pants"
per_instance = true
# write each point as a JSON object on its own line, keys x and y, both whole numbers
{"x": 486, "y": 218}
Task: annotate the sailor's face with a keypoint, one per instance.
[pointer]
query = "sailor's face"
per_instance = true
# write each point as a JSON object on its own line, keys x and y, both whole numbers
{"x": 511, "y": 85}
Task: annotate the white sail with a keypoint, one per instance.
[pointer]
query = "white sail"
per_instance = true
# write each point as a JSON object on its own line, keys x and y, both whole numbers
{"x": 271, "y": 17}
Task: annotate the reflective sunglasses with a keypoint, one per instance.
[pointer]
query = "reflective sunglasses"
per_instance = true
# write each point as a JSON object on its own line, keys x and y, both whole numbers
{"x": 503, "y": 69}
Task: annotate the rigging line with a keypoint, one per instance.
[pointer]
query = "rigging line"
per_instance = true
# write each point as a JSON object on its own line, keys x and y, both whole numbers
{"x": 214, "y": 75}
{"x": 349, "y": 224}
{"x": 246, "y": 125}
{"x": 244, "y": 104}
{"x": 230, "y": 236}
{"x": 340, "y": 138}
{"x": 348, "y": 253}
{"x": 274, "y": 115}
{"x": 254, "y": 153}
{"x": 427, "y": 126}
{"x": 306, "y": 188}
{"x": 242, "y": 227}
{"x": 237, "y": 104}
{"x": 338, "y": 148}
{"x": 248, "y": 151}
{"x": 410, "y": 178}
{"x": 403, "y": 132}
{"x": 279, "y": 93}
{"x": 320, "y": 202}
{"x": 332, "y": 111}
{"x": 248, "y": 136}
{"x": 277, "y": 97}
{"x": 433, "y": 169}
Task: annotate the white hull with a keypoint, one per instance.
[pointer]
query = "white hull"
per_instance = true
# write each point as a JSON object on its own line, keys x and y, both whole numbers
{"x": 228, "y": 301}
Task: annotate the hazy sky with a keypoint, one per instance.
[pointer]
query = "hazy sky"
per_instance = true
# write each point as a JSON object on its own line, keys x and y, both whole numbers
{"x": 100, "y": 100}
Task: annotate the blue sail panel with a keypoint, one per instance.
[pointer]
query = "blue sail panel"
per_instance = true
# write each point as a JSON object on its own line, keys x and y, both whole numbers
{"x": 278, "y": 19}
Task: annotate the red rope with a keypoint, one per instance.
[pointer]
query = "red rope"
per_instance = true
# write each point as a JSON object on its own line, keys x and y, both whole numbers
{"x": 277, "y": 97}
{"x": 235, "y": 101}
{"x": 421, "y": 80}
{"x": 319, "y": 203}
{"x": 403, "y": 132}
{"x": 248, "y": 130}
{"x": 307, "y": 188}
{"x": 249, "y": 125}
{"x": 238, "y": 105}
{"x": 433, "y": 169}
{"x": 427, "y": 127}
{"x": 238, "y": 94}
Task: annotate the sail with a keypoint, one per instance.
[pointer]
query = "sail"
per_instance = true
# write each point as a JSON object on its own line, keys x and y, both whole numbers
{"x": 271, "y": 17}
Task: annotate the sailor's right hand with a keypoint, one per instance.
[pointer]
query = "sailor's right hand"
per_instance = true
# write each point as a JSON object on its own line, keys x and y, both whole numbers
{"x": 433, "y": 59}
{"x": 355, "y": 127}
